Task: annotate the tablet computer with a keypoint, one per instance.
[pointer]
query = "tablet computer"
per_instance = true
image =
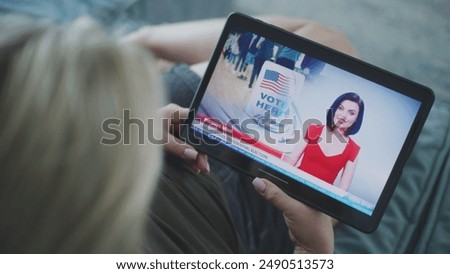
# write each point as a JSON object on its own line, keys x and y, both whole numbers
{"x": 330, "y": 130}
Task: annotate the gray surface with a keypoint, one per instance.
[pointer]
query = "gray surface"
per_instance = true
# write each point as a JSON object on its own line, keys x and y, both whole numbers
{"x": 408, "y": 37}
{"x": 120, "y": 15}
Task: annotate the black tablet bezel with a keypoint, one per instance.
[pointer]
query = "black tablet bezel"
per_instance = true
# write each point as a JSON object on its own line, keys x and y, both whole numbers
{"x": 320, "y": 201}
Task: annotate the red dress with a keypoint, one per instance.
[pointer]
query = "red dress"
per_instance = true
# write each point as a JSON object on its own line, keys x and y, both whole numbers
{"x": 316, "y": 163}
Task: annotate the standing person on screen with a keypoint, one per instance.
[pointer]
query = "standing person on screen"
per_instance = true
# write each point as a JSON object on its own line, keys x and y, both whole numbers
{"x": 243, "y": 42}
{"x": 265, "y": 52}
{"x": 328, "y": 149}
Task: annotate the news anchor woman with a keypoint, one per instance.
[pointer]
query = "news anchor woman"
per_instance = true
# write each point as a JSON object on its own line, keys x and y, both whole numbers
{"x": 328, "y": 149}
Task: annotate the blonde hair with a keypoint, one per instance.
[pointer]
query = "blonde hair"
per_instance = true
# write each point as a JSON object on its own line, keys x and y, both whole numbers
{"x": 61, "y": 190}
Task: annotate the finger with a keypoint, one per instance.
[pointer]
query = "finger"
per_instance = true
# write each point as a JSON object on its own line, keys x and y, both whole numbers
{"x": 277, "y": 197}
{"x": 180, "y": 115}
{"x": 197, "y": 161}
{"x": 179, "y": 148}
{"x": 173, "y": 117}
{"x": 178, "y": 120}
{"x": 174, "y": 112}
{"x": 202, "y": 163}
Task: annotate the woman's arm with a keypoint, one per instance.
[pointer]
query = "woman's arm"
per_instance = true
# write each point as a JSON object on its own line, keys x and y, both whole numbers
{"x": 187, "y": 42}
{"x": 347, "y": 174}
{"x": 294, "y": 157}
{"x": 193, "y": 42}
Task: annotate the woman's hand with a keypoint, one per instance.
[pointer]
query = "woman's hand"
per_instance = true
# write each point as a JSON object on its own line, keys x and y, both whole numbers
{"x": 176, "y": 115}
{"x": 310, "y": 230}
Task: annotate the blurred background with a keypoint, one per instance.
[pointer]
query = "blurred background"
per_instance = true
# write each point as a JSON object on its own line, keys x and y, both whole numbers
{"x": 408, "y": 37}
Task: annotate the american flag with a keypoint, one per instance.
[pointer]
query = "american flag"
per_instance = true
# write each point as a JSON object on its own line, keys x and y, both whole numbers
{"x": 276, "y": 82}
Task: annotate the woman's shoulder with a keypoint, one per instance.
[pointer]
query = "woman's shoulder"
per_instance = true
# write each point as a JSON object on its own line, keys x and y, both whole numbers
{"x": 353, "y": 148}
{"x": 353, "y": 144}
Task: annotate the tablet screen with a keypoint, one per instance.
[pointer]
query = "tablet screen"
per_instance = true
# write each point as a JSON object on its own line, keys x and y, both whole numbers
{"x": 320, "y": 125}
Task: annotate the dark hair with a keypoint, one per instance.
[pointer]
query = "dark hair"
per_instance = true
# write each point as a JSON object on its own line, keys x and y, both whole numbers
{"x": 351, "y": 96}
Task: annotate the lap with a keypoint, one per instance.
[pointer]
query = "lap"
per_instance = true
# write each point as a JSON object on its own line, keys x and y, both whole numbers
{"x": 189, "y": 214}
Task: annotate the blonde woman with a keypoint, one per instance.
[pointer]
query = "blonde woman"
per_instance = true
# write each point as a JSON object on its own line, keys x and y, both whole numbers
{"x": 63, "y": 191}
